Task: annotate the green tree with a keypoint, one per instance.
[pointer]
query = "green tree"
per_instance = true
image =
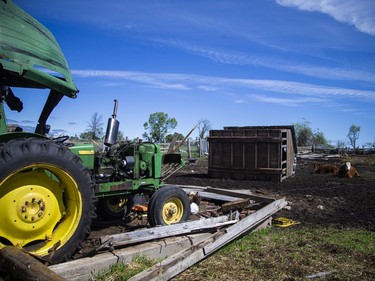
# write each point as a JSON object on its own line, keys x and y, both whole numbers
{"x": 204, "y": 126}
{"x": 157, "y": 126}
{"x": 304, "y": 133}
{"x": 95, "y": 129}
{"x": 340, "y": 144}
{"x": 353, "y": 135}
{"x": 120, "y": 135}
{"x": 306, "y": 136}
{"x": 85, "y": 136}
{"x": 169, "y": 137}
{"x": 319, "y": 139}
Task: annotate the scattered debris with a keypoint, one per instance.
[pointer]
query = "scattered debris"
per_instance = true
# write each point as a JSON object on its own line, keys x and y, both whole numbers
{"x": 320, "y": 274}
{"x": 236, "y": 205}
{"x": 284, "y": 222}
{"x": 183, "y": 244}
{"x": 288, "y": 207}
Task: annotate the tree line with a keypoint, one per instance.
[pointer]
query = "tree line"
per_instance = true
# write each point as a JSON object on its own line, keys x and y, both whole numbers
{"x": 156, "y": 128}
{"x": 306, "y": 136}
{"x": 159, "y": 124}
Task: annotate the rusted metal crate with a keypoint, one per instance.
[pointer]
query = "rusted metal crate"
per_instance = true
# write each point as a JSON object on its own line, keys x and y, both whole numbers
{"x": 266, "y": 153}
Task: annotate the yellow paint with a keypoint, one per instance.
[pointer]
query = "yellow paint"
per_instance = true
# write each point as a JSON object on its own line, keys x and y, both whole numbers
{"x": 86, "y": 152}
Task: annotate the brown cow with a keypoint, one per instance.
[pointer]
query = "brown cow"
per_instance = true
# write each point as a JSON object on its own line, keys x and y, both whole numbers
{"x": 326, "y": 169}
{"x": 347, "y": 170}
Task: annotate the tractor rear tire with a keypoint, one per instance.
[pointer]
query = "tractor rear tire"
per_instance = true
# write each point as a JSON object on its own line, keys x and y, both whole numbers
{"x": 47, "y": 199}
{"x": 168, "y": 205}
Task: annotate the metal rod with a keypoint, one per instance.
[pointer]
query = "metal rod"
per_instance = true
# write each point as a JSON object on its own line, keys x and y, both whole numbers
{"x": 115, "y": 110}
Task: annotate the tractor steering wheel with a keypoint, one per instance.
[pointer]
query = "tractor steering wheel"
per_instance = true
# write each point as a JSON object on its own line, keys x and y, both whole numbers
{"x": 61, "y": 139}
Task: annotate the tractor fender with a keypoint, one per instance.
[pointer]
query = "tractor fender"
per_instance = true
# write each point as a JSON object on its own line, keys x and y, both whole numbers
{"x": 19, "y": 135}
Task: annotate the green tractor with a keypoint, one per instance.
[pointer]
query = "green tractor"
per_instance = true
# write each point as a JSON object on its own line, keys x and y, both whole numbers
{"x": 50, "y": 191}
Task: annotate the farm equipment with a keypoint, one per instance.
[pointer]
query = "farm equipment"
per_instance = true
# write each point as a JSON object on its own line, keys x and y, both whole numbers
{"x": 50, "y": 191}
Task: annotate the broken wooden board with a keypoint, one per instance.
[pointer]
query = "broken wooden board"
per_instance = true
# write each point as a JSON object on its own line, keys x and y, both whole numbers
{"x": 234, "y": 205}
{"x": 158, "y": 232}
{"x": 225, "y": 194}
{"x": 177, "y": 263}
{"x": 88, "y": 268}
{"x": 245, "y": 225}
{"x": 181, "y": 251}
{"x": 22, "y": 266}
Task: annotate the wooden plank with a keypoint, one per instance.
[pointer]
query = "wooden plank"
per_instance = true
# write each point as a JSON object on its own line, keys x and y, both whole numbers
{"x": 246, "y": 224}
{"x": 256, "y": 139}
{"x": 173, "y": 142}
{"x": 234, "y": 205}
{"x": 238, "y": 194}
{"x": 177, "y": 263}
{"x": 231, "y": 194}
{"x": 209, "y": 195}
{"x": 87, "y": 268}
{"x": 154, "y": 233}
{"x": 22, "y": 266}
{"x": 256, "y": 174}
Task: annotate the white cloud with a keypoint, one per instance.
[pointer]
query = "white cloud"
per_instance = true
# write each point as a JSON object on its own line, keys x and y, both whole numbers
{"x": 240, "y": 58}
{"x": 154, "y": 80}
{"x": 240, "y": 101}
{"x": 285, "y": 101}
{"x": 297, "y": 88}
{"x": 345, "y": 108}
{"x": 221, "y": 84}
{"x": 208, "y": 88}
{"x": 360, "y": 13}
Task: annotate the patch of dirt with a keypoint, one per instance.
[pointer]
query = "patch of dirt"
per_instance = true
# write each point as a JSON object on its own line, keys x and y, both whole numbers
{"x": 314, "y": 199}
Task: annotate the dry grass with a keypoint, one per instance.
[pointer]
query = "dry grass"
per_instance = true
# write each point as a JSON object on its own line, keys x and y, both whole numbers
{"x": 292, "y": 254}
{"x": 285, "y": 254}
{"x": 122, "y": 272}
{"x": 368, "y": 159}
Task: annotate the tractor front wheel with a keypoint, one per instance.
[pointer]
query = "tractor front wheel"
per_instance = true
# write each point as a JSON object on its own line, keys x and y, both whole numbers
{"x": 168, "y": 205}
{"x": 47, "y": 199}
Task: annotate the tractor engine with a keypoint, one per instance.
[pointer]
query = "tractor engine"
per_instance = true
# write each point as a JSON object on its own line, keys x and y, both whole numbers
{"x": 114, "y": 163}
{"x": 125, "y": 160}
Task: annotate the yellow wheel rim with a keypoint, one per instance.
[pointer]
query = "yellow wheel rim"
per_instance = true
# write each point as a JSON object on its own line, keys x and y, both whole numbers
{"x": 41, "y": 207}
{"x": 173, "y": 210}
{"x": 115, "y": 205}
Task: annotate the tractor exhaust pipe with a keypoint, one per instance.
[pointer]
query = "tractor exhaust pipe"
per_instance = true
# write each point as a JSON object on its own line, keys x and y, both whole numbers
{"x": 112, "y": 128}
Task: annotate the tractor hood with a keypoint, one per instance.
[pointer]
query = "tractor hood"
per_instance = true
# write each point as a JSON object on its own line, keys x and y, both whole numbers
{"x": 29, "y": 54}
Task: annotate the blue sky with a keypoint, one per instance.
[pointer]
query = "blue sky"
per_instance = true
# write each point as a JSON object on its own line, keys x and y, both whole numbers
{"x": 235, "y": 63}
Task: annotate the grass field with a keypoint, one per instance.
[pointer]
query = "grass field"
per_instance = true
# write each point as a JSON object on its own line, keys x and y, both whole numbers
{"x": 294, "y": 253}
